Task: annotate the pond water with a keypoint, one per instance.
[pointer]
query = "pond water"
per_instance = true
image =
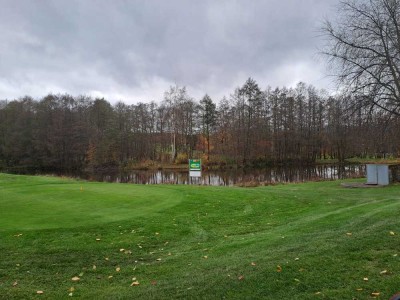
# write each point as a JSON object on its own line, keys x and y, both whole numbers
{"x": 232, "y": 177}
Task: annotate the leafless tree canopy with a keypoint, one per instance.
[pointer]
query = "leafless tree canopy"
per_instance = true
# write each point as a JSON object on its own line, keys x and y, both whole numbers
{"x": 251, "y": 127}
{"x": 364, "y": 49}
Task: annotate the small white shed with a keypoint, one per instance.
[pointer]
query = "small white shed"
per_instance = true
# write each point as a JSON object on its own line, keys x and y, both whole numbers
{"x": 378, "y": 174}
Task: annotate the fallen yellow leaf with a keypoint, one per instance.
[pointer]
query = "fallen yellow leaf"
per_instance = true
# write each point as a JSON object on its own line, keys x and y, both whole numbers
{"x": 392, "y": 233}
{"x": 158, "y": 259}
{"x": 375, "y": 294}
{"x": 135, "y": 283}
{"x": 383, "y": 272}
{"x": 359, "y": 289}
{"x": 278, "y": 268}
{"x": 76, "y": 278}
{"x": 241, "y": 277}
{"x": 98, "y": 239}
{"x": 70, "y": 294}
{"x": 109, "y": 277}
{"x": 349, "y": 234}
{"x": 15, "y": 283}
{"x": 253, "y": 263}
{"x": 39, "y": 292}
{"x": 94, "y": 267}
{"x": 117, "y": 269}
{"x": 365, "y": 279}
{"x": 205, "y": 256}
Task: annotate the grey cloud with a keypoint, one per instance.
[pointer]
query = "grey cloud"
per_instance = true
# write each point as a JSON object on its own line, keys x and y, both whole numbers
{"x": 82, "y": 46}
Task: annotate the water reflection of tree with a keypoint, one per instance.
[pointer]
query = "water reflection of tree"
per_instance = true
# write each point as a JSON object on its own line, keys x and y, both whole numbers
{"x": 233, "y": 177}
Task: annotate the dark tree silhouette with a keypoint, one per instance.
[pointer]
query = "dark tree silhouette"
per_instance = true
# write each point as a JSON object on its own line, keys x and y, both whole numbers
{"x": 363, "y": 46}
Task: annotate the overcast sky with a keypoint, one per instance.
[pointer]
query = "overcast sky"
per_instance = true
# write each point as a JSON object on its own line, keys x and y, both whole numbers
{"x": 134, "y": 50}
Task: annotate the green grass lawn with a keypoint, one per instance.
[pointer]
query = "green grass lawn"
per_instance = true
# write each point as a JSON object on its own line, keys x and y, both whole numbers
{"x": 295, "y": 241}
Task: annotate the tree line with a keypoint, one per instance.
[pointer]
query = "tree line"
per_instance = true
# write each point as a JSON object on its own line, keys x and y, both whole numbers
{"x": 250, "y": 127}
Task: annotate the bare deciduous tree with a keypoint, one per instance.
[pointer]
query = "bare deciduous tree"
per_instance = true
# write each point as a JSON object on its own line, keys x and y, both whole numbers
{"x": 364, "y": 48}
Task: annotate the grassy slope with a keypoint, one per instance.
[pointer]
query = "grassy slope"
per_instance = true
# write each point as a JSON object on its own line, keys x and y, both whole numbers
{"x": 206, "y": 238}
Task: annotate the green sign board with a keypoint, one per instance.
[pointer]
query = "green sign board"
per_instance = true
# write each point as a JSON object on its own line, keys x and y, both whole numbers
{"x": 194, "y": 164}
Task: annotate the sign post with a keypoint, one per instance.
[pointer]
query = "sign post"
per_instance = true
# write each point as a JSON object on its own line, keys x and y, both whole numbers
{"x": 195, "y": 167}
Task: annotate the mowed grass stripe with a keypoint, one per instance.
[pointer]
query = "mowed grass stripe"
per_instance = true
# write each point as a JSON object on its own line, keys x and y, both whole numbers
{"x": 55, "y": 203}
{"x": 197, "y": 242}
